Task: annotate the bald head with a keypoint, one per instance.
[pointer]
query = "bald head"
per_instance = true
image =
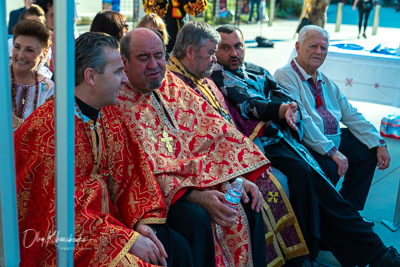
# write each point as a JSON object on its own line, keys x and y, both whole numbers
{"x": 137, "y": 33}
{"x": 143, "y": 54}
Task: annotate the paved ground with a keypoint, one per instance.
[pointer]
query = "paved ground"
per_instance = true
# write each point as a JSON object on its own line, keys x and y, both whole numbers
{"x": 381, "y": 201}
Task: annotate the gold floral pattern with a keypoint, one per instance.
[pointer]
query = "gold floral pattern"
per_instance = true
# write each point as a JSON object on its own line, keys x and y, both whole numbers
{"x": 208, "y": 151}
{"x": 103, "y": 237}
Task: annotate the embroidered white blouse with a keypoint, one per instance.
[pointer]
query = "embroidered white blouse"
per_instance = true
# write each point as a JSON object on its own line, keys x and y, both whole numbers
{"x": 27, "y": 92}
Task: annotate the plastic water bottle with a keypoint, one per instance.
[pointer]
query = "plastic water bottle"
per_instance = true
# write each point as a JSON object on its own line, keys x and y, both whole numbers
{"x": 234, "y": 194}
{"x": 390, "y": 126}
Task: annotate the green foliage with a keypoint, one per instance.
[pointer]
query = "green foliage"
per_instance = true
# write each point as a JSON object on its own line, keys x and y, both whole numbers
{"x": 281, "y": 14}
{"x": 292, "y": 7}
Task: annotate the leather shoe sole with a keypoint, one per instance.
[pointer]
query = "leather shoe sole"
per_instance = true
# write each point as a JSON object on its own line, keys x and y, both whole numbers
{"x": 391, "y": 258}
{"x": 368, "y": 222}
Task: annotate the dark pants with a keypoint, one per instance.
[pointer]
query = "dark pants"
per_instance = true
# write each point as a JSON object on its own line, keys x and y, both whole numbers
{"x": 361, "y": 13}
{"x": 193, "y": 223}
{"x": 362, "y": 165}
{"x": 252, "y": 4}
{"x": 179, "y": 252}
{"x": 323, "y": 215}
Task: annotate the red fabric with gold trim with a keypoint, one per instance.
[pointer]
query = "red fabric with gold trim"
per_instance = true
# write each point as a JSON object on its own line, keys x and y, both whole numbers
{"x": 207, "y": 152}
{"x": 101, "y": 239}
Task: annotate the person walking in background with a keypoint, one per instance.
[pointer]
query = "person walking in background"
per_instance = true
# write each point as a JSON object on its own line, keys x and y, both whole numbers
{"x": 313, "y": 12}
{"x": 14, "y": 15}
{"x": 364, "y": 8}
{"x": 252, "y": 4}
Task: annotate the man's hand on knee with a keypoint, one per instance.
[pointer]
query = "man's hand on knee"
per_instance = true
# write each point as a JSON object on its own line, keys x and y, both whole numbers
{"x": 341, "y": 161}
{"x": 255, "y": 192}
{"x": 148, "y": 247}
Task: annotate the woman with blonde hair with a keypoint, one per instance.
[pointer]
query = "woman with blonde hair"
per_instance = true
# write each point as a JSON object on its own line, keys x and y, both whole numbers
{"x": 29, "y": 89}
{"x": 154, "y": 22}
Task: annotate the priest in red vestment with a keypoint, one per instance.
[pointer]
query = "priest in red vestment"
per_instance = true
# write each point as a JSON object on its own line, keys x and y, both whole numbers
{"x": 195, "y": 154}
{"x": 283, "y": 236}
{"x": 116, "y": 194}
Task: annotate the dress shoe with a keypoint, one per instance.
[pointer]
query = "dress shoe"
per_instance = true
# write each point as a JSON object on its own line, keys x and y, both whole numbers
{"x": 368, "y": 222}
{"x": 313, "y": 263}
{"x": 390, "y": 258}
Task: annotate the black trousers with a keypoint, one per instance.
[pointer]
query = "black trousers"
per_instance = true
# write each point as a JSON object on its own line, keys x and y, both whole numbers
{"x": 362, "y": 166}
{"x": 361, "y": 13}
{"x": 323, "y": 215}
{"x": 193, "y": 223}
{"x": 179, "y": 252}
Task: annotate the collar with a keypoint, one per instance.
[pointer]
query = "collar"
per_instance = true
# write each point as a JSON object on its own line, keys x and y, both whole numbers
{"x": 218, "y": 66}
{"x": 130, "y": 86}
{"x": 87, "y": 110}
{"x": 176, "y": 66}
{"x": 304, "y": 76}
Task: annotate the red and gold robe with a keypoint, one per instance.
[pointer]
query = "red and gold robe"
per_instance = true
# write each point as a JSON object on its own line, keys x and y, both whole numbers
{"x": 207, "y": 152}
{"x": 283, "y": 236}
{"x": 103, "y": 229}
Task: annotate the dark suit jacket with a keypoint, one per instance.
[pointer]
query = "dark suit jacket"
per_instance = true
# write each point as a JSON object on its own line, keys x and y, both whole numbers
{"x": 14, "y": 18}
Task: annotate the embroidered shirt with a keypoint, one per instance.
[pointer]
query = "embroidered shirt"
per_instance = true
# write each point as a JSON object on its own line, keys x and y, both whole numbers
{"x": 323, "y": 106}
{"x": 27, "y": 92}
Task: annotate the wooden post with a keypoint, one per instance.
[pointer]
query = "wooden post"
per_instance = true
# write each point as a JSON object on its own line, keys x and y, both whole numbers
{"x": 271, "y": 12}
{"x": 376, "y": 19}
{"x": 216, "y": 8}
{"x": 339, "y": 16}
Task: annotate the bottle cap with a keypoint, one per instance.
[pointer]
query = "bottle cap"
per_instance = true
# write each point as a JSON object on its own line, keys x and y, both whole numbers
{"x": 239, "y": 180}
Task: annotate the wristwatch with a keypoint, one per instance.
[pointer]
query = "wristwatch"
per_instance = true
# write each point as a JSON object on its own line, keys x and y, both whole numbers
{"x": 383, "y": 144}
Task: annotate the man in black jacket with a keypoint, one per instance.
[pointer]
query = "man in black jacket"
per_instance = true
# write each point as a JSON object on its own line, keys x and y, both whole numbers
{"x": 324, "y": 216}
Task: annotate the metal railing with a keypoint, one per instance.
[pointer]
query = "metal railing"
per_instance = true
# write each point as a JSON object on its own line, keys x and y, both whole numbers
{"x": 395, "y": 225}
{"x": 64, "y": 63}
{"x": 9, "y": 242}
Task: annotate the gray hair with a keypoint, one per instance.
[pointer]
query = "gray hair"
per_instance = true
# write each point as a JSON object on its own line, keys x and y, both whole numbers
{"x": 126, "y": 40}
{"x": 124, "y": 46}
{"x": 194, "y": 33}
{"x": 89, "y": 53}
{"x": 305, "y": 29}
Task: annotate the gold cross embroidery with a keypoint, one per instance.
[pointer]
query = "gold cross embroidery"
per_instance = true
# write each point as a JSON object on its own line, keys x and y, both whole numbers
{"x": 23, "y": 101}
{"x": 273, "y": 197}
{"x": 167, "y": 139}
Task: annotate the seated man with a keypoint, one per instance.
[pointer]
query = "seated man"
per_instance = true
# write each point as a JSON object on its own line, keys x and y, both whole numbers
{"x": 324, "y": 216}
{"x": 192, "y": 60}
{"x": 353, "y": 151}
{"x": 116, "y": 195}
{"x": 194, "y": 154}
